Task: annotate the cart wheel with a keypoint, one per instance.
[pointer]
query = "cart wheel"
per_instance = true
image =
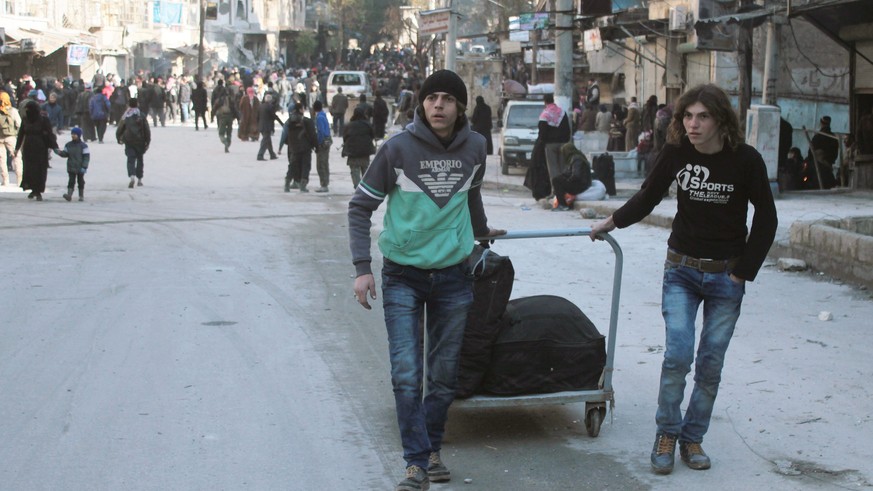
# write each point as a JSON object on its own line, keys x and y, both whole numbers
{"x": 592, "y": 422}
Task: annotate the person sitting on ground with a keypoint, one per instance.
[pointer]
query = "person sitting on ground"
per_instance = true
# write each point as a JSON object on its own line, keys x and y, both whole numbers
{"x": 575, "y": 179}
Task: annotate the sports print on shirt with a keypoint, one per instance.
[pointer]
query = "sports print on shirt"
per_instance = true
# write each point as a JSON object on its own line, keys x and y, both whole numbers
{"x": 694, "y": 179}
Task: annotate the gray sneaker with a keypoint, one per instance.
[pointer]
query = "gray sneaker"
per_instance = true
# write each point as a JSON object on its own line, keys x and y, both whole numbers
{"x": 436, "y": 470}
{"x": 416, "y": 480}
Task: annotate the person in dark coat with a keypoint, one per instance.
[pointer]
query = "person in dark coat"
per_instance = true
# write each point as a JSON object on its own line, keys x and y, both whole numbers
{"x": 368, "y": 108}
{"x": 145, "y": 94}
{"x": 480, "y": 121}
{"x": 649, "y": 114}
{"x": 358, "y": 144}
{"x": 266, "y": 119}
{"x": 83, "y": 112}
{"x": 588, "y": 119}
{"x": 133, "y": 132}
{"x": 575, "y": 178}
{"x": 301, "y": 140}
{"x": 380, "y": 116}
{"x": 224, "y": 109}
{"x": 35, "y": 139}
{"x": 199, "y": 101}
{"x": 537, "y": 177}
{"x": 826, "y": 148}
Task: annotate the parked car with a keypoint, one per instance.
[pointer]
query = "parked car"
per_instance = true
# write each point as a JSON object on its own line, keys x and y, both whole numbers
{"x": 519, "y": 132}
{"x": 353, "y": 84}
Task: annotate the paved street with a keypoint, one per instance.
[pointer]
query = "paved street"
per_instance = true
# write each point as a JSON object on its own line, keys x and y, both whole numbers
{"x": 199, "y": 332}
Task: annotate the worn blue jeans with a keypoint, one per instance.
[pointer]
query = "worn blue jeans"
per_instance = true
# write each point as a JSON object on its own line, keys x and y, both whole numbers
{"x": 445, "y": 295}
{"x": 684, "y": 289}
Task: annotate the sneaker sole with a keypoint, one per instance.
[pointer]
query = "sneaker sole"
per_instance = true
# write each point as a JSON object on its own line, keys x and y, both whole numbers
{"x": 663, "y": 471}
{"x": 410, "y": 487}
{"x": 439, "y": 477}
{"x": 697, "y": 467}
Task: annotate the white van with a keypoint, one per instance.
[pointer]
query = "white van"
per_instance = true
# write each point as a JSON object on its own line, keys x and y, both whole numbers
{"x": 353, "y": 83}
{"x": 519, "y": 132}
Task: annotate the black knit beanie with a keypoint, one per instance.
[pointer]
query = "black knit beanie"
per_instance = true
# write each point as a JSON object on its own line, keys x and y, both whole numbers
{"x": 444, "y": 81}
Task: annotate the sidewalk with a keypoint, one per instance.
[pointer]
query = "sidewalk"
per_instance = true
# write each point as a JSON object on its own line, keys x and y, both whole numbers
{"x": 817, "y": 238}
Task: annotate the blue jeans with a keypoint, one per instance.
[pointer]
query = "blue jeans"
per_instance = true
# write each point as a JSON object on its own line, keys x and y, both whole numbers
{"x": 683, "y": 290}
{"x": 446, "y": 295}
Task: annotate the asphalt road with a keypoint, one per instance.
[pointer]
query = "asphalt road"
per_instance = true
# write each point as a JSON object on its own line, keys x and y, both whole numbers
{"x": 199, "y": 332}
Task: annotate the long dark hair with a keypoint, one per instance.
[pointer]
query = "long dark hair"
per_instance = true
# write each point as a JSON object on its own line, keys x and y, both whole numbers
{"x": 716, "y": 101}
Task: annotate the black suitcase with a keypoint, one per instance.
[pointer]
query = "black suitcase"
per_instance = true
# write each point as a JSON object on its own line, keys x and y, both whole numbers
{"x": 546, "y": 344}
{"x": 491, "y": 291}
{"x": 604, "y": 171}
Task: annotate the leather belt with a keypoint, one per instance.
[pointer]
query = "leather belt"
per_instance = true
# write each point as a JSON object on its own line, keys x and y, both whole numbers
{"x": 702, "y": 265}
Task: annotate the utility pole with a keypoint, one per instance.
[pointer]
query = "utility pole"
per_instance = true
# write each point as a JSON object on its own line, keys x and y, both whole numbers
{"x": 534, "y": 35}
{"x": 563, "y": 55}
{"x": 744, "y": 61}
{"x": 451, "y": 38}
{"x": 200, "y": 46}
{"x": 341, "y": 33}
{"x": 771, "y": 72}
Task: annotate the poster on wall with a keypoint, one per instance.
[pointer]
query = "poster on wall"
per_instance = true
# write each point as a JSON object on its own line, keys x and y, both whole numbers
{"x": 77, "y": 54}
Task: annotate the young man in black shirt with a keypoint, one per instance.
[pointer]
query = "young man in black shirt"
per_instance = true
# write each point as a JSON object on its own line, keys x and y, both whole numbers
{"x": 710, "y": 256}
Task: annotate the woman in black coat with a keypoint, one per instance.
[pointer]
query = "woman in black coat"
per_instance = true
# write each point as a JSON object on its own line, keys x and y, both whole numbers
{"x": 358, "y": 144}
{"x": 199, "y": 101}
{"x": 480, "y": 122}
{"x": 35, "y": 139}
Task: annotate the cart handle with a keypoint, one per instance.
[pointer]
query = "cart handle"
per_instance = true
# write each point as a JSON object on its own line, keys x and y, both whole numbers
{"x": 616, "y": 280}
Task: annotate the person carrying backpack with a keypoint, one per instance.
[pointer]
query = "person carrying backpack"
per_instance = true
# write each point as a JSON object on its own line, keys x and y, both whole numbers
{"x": 225, "y": 111}
{"x": 133, "y": 132}
{"x": 98, "y": 108}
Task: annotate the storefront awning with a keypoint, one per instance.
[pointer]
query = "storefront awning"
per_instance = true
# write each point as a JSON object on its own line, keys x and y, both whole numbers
{"x": 187, "y": 50}
{"x": 47, "y": 41}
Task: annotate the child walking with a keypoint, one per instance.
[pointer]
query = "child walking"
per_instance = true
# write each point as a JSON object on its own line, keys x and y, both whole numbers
{"x": 78, "y": 156}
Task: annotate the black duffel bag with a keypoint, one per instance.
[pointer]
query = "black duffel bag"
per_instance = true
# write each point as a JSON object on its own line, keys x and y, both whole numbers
{"x": 545, "y": 344}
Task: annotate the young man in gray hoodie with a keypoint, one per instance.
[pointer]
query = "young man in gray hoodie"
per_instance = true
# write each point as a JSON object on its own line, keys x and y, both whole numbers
{"x": 431, "y": 175}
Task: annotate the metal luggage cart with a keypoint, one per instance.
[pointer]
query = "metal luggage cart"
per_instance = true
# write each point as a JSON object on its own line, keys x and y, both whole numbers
{"x": 595, "y": 399}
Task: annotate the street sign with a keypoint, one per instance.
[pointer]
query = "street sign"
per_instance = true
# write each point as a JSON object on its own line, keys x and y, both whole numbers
{"x": 434, "y": 21}
{"x": 77, "y": 54}
{"x": 592, "y": 40}
{"x": 522, "y": 36}
{"x": 508, "y": 47}
{"x": 211, "y": 11}
{"x": 535, "y": 20}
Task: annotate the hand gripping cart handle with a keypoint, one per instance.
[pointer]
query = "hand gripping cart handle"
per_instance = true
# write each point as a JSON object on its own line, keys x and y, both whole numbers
{"x": 595, "y": 400}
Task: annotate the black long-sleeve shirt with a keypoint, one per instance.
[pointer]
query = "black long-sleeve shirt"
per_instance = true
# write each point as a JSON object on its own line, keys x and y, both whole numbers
{"x": 714, "y": 192}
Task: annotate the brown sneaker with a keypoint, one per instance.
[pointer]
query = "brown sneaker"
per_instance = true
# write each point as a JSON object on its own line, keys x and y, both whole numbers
{"x": 416, "y": 480}
{"x": 663, "y": 453}
{"x": 436, "y": 470}
{"x": 694, "y": 456}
